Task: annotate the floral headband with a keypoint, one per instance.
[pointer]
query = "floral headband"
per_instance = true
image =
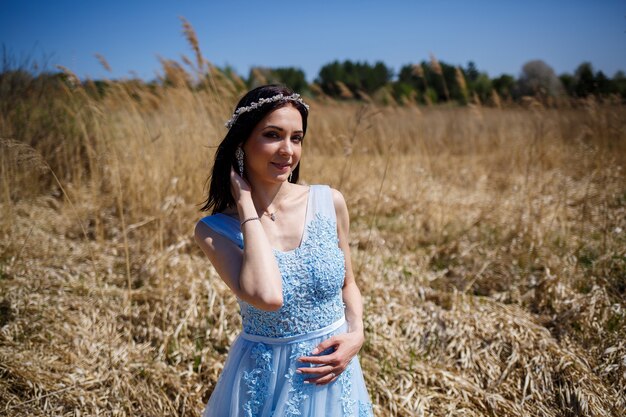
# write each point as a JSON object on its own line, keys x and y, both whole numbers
{"x": 255, "y": 105}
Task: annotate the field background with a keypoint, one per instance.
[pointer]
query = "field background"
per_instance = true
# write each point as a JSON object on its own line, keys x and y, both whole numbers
{"x": 489, "y": 245}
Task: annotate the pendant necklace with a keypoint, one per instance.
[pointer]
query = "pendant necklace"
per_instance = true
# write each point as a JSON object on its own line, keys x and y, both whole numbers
{"x": 270, "y": 214}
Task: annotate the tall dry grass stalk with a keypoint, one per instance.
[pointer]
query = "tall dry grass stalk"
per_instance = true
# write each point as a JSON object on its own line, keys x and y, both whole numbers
{"x": 192, "y": 39}
{"x": 437, "y": 69}
{"x": 418, "y": 71}
{"x": 103, "y": 61}
{"x": 460, "y": 80}
{"x": 490, "y": 247}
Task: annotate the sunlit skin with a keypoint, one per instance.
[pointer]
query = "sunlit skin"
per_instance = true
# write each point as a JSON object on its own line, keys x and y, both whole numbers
{"x": 271, "y": 152}
{"x": 274, "y": 148}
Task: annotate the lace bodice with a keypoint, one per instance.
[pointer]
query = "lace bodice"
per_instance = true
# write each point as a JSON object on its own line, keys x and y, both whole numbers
{"x": 312, "y": 274}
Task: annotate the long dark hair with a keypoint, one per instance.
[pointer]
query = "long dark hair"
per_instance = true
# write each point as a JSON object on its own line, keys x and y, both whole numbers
{"x": 220, "y": 196}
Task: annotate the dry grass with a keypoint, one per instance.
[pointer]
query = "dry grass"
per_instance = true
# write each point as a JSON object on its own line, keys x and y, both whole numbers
{"x": 490, "y": 247}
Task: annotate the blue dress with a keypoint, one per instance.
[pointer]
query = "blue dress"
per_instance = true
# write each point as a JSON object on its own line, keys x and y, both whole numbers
{"x": 259, "y": 378}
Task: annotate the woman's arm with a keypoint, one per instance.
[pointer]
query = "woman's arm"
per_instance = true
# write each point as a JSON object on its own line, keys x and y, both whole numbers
{"x": 351, "y": 294}
{"x": 252, "y": 273}
{"x": 347, "y": 345}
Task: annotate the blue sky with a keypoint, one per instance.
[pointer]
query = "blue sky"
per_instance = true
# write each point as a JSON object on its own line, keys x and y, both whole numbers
{"x": 498, "y": 35}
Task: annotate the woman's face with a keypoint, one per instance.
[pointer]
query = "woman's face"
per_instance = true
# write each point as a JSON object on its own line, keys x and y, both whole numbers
{"x": 274, "y": 147}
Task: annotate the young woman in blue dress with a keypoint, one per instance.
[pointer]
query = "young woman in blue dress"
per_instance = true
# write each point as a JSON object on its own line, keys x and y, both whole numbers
{"x": 282, "y": 248}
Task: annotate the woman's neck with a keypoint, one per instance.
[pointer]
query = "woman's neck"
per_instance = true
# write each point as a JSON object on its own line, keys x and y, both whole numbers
{"x": 268, "y": 197}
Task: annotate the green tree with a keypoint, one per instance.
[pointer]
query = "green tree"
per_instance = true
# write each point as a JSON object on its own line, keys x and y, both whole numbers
{"x": 482, "y": 87}
{"x": 403, "y": 91}
{"x": 377, "y": 77}
{"x": 471, "y": 72}
{"x": 413, "y": 75}
{"x": 604, "y": 85}
{"x": 436, "y": 83}
{"x": 569, "y": 83}
{"x": 504, "y": 85}
{"x": 619, "y": 80}
{"x": 357, "y": 76}
{"x": 328, "y": 76}
{"x": 584, "y": 80}
{"x": 293, "y": 78}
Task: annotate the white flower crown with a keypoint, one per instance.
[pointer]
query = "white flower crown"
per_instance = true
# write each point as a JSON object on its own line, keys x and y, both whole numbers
{"x": 255, "y": 105}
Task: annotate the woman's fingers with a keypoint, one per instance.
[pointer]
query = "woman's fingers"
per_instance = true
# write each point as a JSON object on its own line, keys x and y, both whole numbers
{"x": 319, "y": 375}
{"x": 330, "y": 342}
{"x": 235, "y": 178}
{"x": 319, "y": 360}
{"x": 325, "y": 368}
{"x": 323, "y": 380}
{"x": 315, "y": 370}
{"x": 333, "y": 356}
{"x": 237, "y": 184}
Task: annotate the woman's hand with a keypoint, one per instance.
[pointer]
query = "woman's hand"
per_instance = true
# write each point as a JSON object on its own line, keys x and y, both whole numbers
{"x": 238, "y": 185}
{"x": 329, "y": 367}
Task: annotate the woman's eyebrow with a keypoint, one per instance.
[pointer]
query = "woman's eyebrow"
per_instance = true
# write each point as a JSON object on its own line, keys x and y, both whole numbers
{"x": 274, "y": 127}
{"x": 279, "y": 128}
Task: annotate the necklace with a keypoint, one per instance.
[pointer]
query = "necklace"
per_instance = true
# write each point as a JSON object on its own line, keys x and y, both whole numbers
{"x": 271, "y": 215}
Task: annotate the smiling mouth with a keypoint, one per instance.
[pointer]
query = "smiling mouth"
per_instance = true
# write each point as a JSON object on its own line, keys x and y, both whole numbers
{"x": 281, "y": 166}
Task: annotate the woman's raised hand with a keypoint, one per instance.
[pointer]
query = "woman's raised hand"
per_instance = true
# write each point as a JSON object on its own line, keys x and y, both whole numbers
{"x": 238, "y": 185}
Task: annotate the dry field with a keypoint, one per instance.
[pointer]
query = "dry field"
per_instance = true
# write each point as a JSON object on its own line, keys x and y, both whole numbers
{"x": 489, "y": 244}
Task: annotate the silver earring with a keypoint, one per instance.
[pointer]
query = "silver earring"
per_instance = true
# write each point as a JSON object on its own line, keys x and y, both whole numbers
{"x": 239, "y": 157}
{"x": 290, "y": 174}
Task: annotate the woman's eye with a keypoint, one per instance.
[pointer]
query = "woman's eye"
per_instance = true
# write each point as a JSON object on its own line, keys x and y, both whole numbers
{"x": 297, "y": 139}
{"x": 271, "y": 135}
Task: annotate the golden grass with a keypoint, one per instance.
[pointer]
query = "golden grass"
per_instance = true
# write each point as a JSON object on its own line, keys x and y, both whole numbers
{"x": 489, "y": 245}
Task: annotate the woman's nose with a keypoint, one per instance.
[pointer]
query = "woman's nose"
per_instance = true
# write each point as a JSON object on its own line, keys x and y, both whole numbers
{"x": 286, "y": 147}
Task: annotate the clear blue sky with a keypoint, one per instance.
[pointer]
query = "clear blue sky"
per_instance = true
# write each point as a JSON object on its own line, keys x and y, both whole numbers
{"x": 498, "y": 35}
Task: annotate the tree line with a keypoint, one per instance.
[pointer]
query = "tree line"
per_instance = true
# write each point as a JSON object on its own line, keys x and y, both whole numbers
{"x": 435, "y": 81}
{"x": 426, "y": 82}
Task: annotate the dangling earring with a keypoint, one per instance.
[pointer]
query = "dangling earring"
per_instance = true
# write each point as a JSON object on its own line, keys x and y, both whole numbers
{"x": 291, "y": 173}
{"x": 239, "y": 157}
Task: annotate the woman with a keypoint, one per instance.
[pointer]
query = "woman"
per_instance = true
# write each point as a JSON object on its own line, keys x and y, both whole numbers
{"x": 282, "y": 248}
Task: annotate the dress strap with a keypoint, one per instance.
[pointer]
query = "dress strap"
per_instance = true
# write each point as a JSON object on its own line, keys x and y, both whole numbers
{"x": 226, "y": 226}
{"x": 321, "y": 203}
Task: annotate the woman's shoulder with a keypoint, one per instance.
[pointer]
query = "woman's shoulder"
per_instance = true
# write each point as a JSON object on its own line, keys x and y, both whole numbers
{"x": 335, "y": 195}
{"x": 321, "y": 194}
{"x": 341, "y": 208}
{"x": 330, "y": 201}
{"x": 218, "y": 219}
{"x": 324, "y": 188}
{"x": 332, "y": 193}
{"x": 221, "y": 224}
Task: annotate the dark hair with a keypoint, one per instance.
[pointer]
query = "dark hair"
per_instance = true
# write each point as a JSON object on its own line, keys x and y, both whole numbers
{"x": 220, "y": 196}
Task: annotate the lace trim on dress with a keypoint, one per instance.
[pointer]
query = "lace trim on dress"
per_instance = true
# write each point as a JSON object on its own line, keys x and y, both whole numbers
{"x": 299, "y": 391}
{"x": 347, "y": 403}
{"x": 365, "y": 409}
{"x": 257, "y": 380}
